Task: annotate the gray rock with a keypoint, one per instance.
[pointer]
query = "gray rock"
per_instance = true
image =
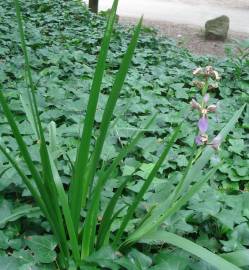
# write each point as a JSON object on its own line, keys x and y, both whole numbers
{"x": 217, "y": 29}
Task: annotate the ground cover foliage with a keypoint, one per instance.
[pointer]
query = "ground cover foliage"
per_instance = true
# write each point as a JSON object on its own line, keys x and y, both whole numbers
{"x": 64, "y": 39}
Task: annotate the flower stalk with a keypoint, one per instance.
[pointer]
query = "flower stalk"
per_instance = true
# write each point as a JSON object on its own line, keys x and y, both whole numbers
{"x": 209, "y": 78}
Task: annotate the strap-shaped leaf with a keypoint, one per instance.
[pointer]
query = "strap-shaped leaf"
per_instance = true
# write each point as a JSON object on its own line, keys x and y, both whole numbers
{"x": 31, "y": 94}
{"x": 106, "y": 119}
{"x": 189, "y": 246}
{"x": 239, "y": 258}
{"x": 145, "y": 187}
{"x": 162, "y": 214}
{"x": 106, "y": 220}
{"x": 66, "y": 210}
{"x": 39, "y": 199}
{"x": 78, "y": 188}
{"x": 108, "y": 215}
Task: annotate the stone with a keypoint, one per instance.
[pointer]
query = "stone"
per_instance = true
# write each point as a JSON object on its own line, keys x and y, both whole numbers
{"x": 217, "y": 29}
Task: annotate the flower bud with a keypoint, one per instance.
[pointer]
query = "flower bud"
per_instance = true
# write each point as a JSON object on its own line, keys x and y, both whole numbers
{"x": 201, "y": 139}
{"x": 204, "y": 138}
{"x": 195, "y": 104}
{"x": 216, "y": 75}
{"x": 213, "y": 85}
{"x": 208, "y": 70}
{"x": 216, "y": 142}
{"x": 198, "y": 71}
{"x": 212, "y": 108}
{"x": 206, "y": 98}
{"x": 198, "y": 84}
{"x": 203, "y": 124}
{"x": 198, "y": 140}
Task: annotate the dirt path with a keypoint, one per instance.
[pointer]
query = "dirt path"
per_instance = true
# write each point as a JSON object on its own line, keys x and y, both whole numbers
{"x": 189, "y": 36}
{"x": 191, "y": 12}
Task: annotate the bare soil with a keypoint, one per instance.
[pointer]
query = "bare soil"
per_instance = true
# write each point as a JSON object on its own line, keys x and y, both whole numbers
{"x": 224, "y": 3}
{"x": 190, "y": 12}
{"x": 190, "y": 36}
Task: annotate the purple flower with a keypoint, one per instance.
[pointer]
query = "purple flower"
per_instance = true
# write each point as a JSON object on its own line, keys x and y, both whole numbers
{"x": 206, "y": 98}
{"x": 198, "y": 140}
{"x": 216, "y": 142}
{"x": 203, "y": 124}
{"x": 201, "y": 139}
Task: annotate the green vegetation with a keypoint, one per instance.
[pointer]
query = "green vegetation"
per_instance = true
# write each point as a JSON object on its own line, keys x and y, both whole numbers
{"x": 133, "y": 154}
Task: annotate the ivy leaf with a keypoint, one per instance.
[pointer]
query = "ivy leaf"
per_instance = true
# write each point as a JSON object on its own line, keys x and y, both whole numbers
{"x": 3, "y": 240}
{"x": 180, "y": 92}
{"x": 105, "y": 257}
{"x": 8, "y": 263}
{"x": 43, "y": 248}
{"x": 237, "y": 145}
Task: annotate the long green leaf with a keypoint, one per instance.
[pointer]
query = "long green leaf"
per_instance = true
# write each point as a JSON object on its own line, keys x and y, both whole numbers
{"x": 52, "y": 139}
{"x": 78, "y": 189}
{"x": 191, "y": 247}
{"x": 108, "y": 215}
{"x": 66, "y": 211}
{"x": 35, "y": 174}
{"x": 145, "y": 187}
{"x": 112, "y": 100}
{"x": 89, "y": 231}
{"x": 31, "y": 95}
{"x": 35, "y": 119}
{"x": 50, "y": 186}
{"x": 112, "y": 203}
{"x": 91, "y": 219}
{"x": 29, "y": 115}
{"x": 107, "y": 115}
{"x": 156, "y": 219}
{"x": 35, "y": 194}
{"x": 178, "y": 190}
{"x": 33, "y": 116}
{"x": 239, "y": 258}
{"x": 27, "y": 158}
{"x": 32, "y": 112}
